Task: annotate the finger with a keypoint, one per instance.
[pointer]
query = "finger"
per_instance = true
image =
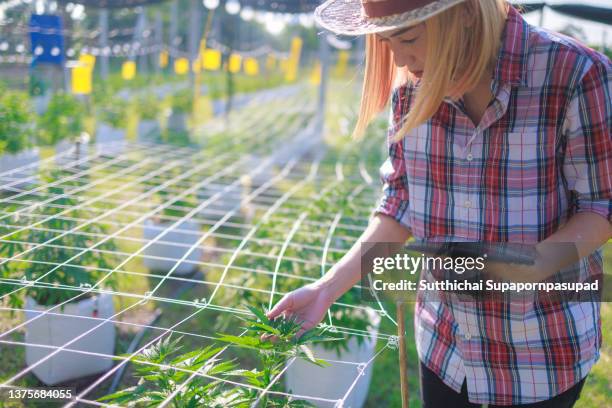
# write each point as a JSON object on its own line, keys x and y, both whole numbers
{"x": 283, "y": 305}
{"x": 306, "y": 325}
{"x": 269, "y": 337}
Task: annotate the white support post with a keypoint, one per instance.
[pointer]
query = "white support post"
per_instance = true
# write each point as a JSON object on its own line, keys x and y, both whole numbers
{"x": 192, "y": 40}
{"x": 324, "y": 58}
{"x": 173, "y": 34}
{"x": 103, "y": 43}
{"x": 159, "y": 40}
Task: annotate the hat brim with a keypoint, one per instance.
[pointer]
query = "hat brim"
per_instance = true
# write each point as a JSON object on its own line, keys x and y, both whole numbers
{"x": 346, "y": 17}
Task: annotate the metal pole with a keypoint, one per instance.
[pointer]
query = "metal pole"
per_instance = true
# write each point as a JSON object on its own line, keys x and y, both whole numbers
{"x": 198, "y": 75}
{"x": 159, "y": 39}
{"x": 324, "y": 58}
{"x": 103, "y": 43}
{"x": 173, "y": 37}
{"x": 143, "y": 65}
{"x": 192, "y": 40}
{"x": 137, "y": 37}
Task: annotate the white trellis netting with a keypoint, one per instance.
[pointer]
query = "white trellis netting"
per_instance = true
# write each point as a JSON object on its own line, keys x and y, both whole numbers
{"x": 255, "y": 242}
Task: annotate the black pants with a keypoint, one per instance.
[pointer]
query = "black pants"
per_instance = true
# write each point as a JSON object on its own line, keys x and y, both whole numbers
{"x": 436, "y": 394}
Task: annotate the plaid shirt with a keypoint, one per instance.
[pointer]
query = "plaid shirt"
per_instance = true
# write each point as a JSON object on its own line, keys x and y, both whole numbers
{"x": 542, "y": 152}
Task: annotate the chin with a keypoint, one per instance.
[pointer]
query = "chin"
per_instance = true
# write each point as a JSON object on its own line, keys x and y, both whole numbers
{"x": 417, "y": 74}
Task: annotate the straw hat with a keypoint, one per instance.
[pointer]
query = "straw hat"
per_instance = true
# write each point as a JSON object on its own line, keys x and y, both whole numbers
{"x": 358, "y": 17}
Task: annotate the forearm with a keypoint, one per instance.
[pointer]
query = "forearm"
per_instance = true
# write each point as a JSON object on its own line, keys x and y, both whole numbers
{"x": 347, "y": 272}
{"x": 584, "y": 232}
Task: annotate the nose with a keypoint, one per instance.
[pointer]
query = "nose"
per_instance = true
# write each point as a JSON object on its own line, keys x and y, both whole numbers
{"x": 400, "y": 56}
{"x": 402, "y": 59}
{"x": 399, "y": 61}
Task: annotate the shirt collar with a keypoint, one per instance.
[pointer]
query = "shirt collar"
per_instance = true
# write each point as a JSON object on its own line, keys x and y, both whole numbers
{"x": 511, "y": 66}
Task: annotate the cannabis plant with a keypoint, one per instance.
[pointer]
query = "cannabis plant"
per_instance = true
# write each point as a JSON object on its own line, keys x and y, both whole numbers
{"x": 201, "y": 378}
{"x": 43, "y": 243}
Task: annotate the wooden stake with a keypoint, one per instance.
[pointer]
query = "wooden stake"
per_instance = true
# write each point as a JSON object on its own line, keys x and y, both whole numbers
{"x": 403, "y": 359}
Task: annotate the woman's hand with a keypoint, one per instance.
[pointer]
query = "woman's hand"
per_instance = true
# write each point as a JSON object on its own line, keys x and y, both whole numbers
{"x": 512, "y": 272}
{"x": 307, "y": 305}
{"x": 549, "y": 259}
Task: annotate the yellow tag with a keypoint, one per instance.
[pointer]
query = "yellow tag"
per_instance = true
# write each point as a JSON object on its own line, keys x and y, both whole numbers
{"x": 164, "y": 58}
{"x": 294, "y": 59}
{"x": 181, "y": 66}
{"x": 128, "y": 70}
{"x": 343, "y": 57}
{"x": 296, "y": 46}
{"x": 251, "y": 66}
{"x": 315, "y": 76}
{"x": 235, "y": 61}
{"x": 211, "y": 59}
{"x": 88, "y": 59}
{"x": 81, "y": 79}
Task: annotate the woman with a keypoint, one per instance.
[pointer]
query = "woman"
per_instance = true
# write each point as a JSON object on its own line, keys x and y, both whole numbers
{"x": 500, "y": 132}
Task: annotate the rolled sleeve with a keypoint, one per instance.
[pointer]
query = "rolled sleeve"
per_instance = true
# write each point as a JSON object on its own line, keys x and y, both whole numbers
{"x": 395, "y": 198}
{"x": 588, "y": 155}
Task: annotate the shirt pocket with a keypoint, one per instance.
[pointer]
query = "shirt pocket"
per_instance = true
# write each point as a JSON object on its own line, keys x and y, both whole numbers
{"x": 524, "y": 157}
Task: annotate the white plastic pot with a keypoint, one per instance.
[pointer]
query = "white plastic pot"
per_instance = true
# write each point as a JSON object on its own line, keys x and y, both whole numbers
{"x": 262, "y": 176}
{"x": 332, "y": 382}
{"x": 148, "y": 130}
{"x": 109, "y": 140}
{"x": 63, "y": 326}
{"x": 13, "y": 161}
{"x": 306, "y": 141}
{"x": 41, "y": 102}
{"x": 162, "y": 255}
{"x": 177, "y": 121}
{"x": 229, "y": 199}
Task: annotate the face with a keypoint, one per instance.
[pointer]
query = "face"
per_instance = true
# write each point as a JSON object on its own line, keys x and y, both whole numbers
{"x": 408, "y": 46}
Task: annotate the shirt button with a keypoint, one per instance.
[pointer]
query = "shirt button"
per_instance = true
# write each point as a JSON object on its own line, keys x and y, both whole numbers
{"x": 467, "y": 336}
{"x": 467, "y": 204}
{"x": 469, "y": 157}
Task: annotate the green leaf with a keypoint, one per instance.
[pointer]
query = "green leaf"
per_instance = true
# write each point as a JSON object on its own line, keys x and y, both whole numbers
{"x": 260, "y": 315}
{"x": 266, "y": 328}
{"x": 123, "y": 395}
{"x": 246, "y": 341}
{"x": 308, "y": 352}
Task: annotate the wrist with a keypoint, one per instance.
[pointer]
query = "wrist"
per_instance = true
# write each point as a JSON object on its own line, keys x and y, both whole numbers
{"x": 553, "y": 256}
{"x": 329, "y": 288}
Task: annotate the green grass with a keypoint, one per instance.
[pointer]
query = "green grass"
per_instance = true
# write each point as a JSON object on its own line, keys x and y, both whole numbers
{"x": 597, "y": 391}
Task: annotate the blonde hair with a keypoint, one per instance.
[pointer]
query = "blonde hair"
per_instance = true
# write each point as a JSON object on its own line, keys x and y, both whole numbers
{"x": 457, "y": 57}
